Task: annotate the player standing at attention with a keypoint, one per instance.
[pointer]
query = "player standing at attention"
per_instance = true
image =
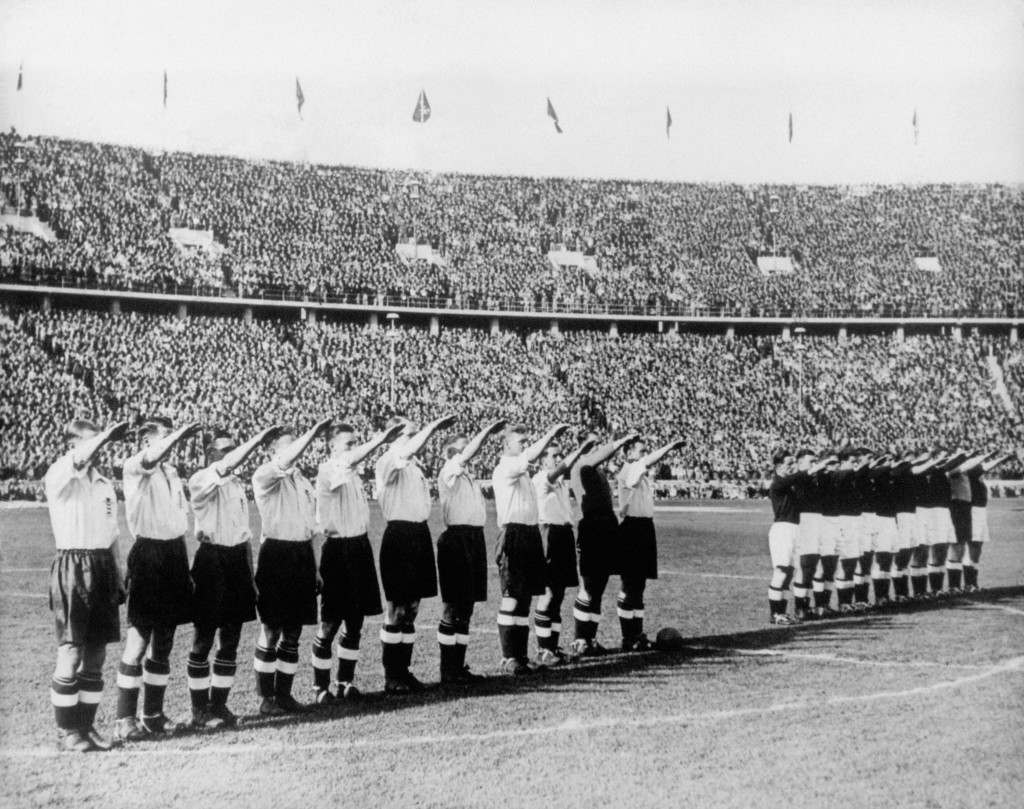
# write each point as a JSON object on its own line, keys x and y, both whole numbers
{"x": 159, "y": 584}
{"x": 222, "y": 571}
{"x": 554, "y": 512}
{"x": 940, "y": 534}
{"x": 907, "y": 530}
{"x": 923, "y": 500}
{"x": 406, "y": 551}
{"x": 520, "y": 557}
{"x": 807, "y": 552}
{"x": 783, "y": 535}
{"x": 828, "y": 545}
{"x": 886, "y": 538}
{"x": 349, "y": 591}
{"x": 849, "y": 503}
{"x": 979, "y": 519}
{"x": 461, "y": 552}
{"x": 85, "y": 581}
{"x": 595, "y": 542}
{"x": 637, "y": 543}
{"x": 286, "y": 571}
{"x": 864, "y": 497}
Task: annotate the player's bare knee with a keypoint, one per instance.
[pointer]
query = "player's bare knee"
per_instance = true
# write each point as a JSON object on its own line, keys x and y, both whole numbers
{"x": 69, "y": 656}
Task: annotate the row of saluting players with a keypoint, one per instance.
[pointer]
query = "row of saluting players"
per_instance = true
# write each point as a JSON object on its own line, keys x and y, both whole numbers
{"x": 314, "y": 541}
{"x": 855, "y": 520}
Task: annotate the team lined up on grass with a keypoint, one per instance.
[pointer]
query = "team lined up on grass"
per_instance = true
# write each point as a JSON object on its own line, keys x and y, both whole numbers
{"x": 314, "y": 542}
{"x": 854, "y": 521}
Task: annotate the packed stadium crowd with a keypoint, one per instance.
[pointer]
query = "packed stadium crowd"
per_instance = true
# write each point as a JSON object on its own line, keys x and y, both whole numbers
{"x": 732, "y": 399}
{"x": 330, "y": 231}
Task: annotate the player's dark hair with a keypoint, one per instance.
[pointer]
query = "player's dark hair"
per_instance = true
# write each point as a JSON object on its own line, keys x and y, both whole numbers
{"x": 75, "y": 428}
{"x": 154, "y": 424}
{"x": 338, "y": 429}
{"x": 804, "y": 452}
{"x": 780, "y": 456}
{"x": 516, "y": 429}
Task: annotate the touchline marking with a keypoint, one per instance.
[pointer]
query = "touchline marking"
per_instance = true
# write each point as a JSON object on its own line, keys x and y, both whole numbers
{"x": 1000, "y": 607}
{"x": 831, "y": 658}
{"x": 712, "y": 575}
{"x": 25, "y": 570}
{"x": 568, "y": 726}
{"x": 15, "y": 594}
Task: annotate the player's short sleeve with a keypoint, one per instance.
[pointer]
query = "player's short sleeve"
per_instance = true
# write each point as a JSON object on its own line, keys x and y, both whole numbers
{"x": 266, "y": 478}
{"x": 60, "y": 474}
{"x": 541, "y": 484}
{"x": 134, "y": 466}
{"x": 339, "y": 471}
{"x": 205, "y": 482}
{"x": 509, "y": 469}
{"x": 631, "y": 473}
{"x": 451, "y": 470}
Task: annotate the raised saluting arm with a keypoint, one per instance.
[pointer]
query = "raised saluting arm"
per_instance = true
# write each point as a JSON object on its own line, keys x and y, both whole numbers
{"x": 86, "y": 450}
{"x": 159, "y": 449}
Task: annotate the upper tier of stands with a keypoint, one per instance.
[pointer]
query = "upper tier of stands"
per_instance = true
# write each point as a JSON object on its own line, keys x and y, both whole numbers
{"x": 330, "y": 232}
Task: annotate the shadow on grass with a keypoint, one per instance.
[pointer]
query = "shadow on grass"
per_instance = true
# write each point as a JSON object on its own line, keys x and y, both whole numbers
{"x": 605, "y": 673}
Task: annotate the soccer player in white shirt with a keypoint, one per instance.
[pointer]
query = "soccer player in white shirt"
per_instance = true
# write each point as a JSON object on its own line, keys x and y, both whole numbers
{"x": 521, "y": 565}
{"x": 286, "y": 570}
{"x": 349, "y": 591}
{"x": 222, "y": 572}
{"x": 85, "y": 581}
{"x": 407, "y": 568}
{"x": 979, "y": 517}
{"x": 637, "y": 543}
{"x": 159, "y": 585}
{"x": 556, "y": 518}
{"x": 461, "y": 552}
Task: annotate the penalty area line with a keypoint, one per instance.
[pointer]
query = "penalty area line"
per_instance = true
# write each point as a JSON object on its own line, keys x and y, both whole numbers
{"x": 568, "y": 726}
{"x": 831, "y": 658}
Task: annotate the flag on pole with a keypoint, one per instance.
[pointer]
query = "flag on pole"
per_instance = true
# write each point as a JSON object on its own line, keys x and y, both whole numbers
{"x": 300, "y": 99}
{"x": 20, "y": 81}
{"x": 554, "y": 117}
{"x": 422, "y": 112}
{"x": 165, "y": 89}
{"x": 790, "y": 127}
{"x": 914, "y": 122}
{"x": 668, "y": 123}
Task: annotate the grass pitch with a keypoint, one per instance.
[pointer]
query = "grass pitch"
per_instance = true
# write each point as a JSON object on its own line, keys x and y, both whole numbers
{"x": 921, "y": 707}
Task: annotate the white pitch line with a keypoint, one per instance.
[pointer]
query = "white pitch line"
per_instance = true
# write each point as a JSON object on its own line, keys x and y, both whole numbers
{"x": 1000, "y": 607}
{"x": 10, "y": 594}
{"x": 712, "y": 575}
{"x": 569, "y": 726}
{"x": 831, "y": 658}
{"x": 25, "y": 570}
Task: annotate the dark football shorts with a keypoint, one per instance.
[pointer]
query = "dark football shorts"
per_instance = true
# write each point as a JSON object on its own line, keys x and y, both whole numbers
{"x": 637, "y": 549}
{"x": 159, "y": 584}
{"x": 522, "y": 568}
{"x": 286, "y": 583}
{"x": 85, "y": 589}
{"x": 349, "y": 577}
{"x": 596, "y": 543}
{"x": 407, "y": 568}
{"x": 560, "y": 555}
{"x": 960, "y": 513}
{"x": 462, "y": 564}
{"x": 224, "y": 593}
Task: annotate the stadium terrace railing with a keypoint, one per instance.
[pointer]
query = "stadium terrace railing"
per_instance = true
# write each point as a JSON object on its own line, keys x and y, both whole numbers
{"x": 362, "y": 300}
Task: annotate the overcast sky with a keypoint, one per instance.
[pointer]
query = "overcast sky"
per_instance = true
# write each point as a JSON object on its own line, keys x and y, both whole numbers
{"x": 852, "y": 73}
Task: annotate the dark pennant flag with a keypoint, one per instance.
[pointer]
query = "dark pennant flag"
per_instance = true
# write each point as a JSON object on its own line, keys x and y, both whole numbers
{"x": 914, "y": 122}
{"x": 668, "y": 122}
{"x": 20, "y": 80}
{"x": 300, "y": 99}
{"x": 554, "y": 117}
{"x": 791, "y": 127}
{"x": 165, "y": 89}
{"x": 422, "y": 112}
